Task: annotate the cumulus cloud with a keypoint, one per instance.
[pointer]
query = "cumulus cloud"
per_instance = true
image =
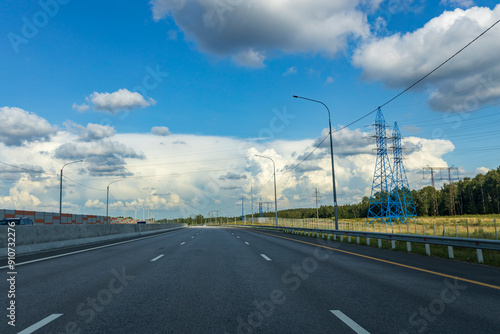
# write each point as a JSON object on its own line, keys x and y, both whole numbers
{"x": 160, "y": 131}
{"x": 95, "y": 204}
{"x": 19, "y": 127}
{"x": 482, "y": 170}
{"x": 105, "y": 158}
{"x": 249, "y": 31}
{"x": 123, "y": 99}
{"x": 93, "y": 132}
{"x": 470, "y": 80}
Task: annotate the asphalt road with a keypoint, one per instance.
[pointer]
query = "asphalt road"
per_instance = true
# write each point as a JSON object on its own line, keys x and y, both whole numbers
{"x": 228, "y": 280}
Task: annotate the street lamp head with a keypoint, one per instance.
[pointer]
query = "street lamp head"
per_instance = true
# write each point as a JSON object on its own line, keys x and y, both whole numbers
{"x": 295, "y": 96}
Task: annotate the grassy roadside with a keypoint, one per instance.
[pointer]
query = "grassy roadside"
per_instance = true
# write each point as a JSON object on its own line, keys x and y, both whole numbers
{"x": 491, "y": 258}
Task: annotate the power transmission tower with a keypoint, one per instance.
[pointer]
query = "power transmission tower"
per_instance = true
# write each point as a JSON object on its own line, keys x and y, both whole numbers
{"x": 383, "y": 208}
{"x": 452, "y": 191}
{"x": 401, "y": 188}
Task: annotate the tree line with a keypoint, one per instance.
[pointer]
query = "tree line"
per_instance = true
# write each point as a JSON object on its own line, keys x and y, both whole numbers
{"x": 472, "y": 196}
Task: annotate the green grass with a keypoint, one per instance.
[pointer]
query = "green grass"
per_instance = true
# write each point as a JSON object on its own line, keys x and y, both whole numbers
{"x": 460, "y": 253}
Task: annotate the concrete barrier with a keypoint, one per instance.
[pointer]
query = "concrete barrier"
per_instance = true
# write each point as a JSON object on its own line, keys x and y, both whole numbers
{"x": 30, "y": 239}
{"x": 52, "y": 218}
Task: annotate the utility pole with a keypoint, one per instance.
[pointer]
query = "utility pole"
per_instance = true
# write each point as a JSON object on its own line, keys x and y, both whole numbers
{"x": 452, "y": 192}
{"x": 317, "y": 210}
{"x": 251, "y": 197}
{"x": 242, "y": 211}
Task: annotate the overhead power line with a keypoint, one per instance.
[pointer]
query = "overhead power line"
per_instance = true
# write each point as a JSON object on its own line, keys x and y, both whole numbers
{"x": 26, "y": 169}
{"x": 402, "y": 92}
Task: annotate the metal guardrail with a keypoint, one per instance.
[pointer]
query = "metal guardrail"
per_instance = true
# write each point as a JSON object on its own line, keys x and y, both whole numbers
{"x": 424, "y": 239}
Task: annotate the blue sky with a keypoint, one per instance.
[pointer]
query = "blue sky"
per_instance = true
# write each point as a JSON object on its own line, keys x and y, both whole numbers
{"x": 223, "y": 72}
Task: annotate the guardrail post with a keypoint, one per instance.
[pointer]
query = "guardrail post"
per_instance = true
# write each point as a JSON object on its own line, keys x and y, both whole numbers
{"x": 467, "y": 223}
{"x": 328, "y": 236}
{"x": 341, "y": 238}
{"x": 334, "y": 237}
{"x": 349, "y": 239}
{"x": 379, "y": 243}
{"x": 479, "y": 253}
{"x": 368, "y": 241}
{"x": 393, "y": 244}
{"x": 428, "y": 249}
{"x": 444, "y": 229}
{"x": 450, "y": 252}
{"x": 408, "y": 246}
{"x": 357, "y": 240}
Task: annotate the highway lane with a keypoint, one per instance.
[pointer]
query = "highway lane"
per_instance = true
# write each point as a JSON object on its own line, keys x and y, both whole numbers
{"x": 226, "y": 280}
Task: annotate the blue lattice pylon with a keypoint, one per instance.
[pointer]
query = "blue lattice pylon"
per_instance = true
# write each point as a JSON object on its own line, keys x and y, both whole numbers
{"x": 384, "y": 208}
{"x": 401, "y": 187}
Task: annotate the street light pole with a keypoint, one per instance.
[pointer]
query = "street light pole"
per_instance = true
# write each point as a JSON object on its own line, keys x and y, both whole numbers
{"x": 275, "y": 198}
{"x": 60, "y": 187}
{"x": 331, "y": 153}
{"x": 107, "y": 199}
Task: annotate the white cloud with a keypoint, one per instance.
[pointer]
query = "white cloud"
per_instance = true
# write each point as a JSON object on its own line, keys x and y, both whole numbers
{"x": 482, "y": 170}
{"x": 18, "y": 127}
{"x": 93, "y": 132}
{"x": 81, "y": 107}
{"x": 250, "y": 31}
{"x": 470, "y": 80}
{"x": 204, "y": 173}
{"x": 103, "y": 158}
{"x": 458, "y": 3}
{"x": 95, "y": 204}
{"x": 290, "y": 70}
{"x": 249, "y": 58}
{"x": 123, "y": 99}
{"x": 160, "y": 131}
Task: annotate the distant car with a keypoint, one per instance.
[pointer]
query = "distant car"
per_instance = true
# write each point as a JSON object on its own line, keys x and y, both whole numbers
{"x": 141, "y": 222}
{"x": 17, "y": 221}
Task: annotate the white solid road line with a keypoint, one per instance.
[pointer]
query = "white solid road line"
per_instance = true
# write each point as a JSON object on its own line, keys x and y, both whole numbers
{"x": 349, "y": 322}
{"x": 83, "y": 250}
{"x": 158, "y": 257}
{"x": 183, "y": 243}
{"x": 265, "y": 257}
{"x": 247, "y": 243}
{"x": 40, "y": 324}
